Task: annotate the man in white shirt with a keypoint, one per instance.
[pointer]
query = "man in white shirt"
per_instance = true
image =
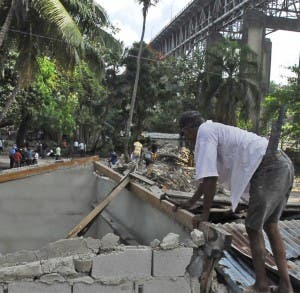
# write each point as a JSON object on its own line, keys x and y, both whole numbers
{"x": 238, "y": 159}
{"x": 82, "y": 149}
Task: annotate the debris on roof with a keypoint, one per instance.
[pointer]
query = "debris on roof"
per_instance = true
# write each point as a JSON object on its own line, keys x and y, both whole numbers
{"x": 232, "y": 264}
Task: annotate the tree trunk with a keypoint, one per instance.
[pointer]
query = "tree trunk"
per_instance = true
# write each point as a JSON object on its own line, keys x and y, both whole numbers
{"x": 135, "y": 87}
{"x": 11, "y": 99}
{"x": 7, "y": 23}
{"x": 22, "y": 131}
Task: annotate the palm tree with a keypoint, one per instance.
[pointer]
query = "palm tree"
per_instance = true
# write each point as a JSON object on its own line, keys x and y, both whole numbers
{"x": 66, "y": 30}
{"x": 146, "y": 5}
{"x": 237, "y": 83}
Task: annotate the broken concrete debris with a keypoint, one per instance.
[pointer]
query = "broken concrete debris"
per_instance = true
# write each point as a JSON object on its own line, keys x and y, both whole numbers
{"x": 171, "y": 241}
{"x": 155, "y": 243}
{"x": 77, "y": 265}
{"x": 198, "y": 237}
{"x": 109, "y": 241}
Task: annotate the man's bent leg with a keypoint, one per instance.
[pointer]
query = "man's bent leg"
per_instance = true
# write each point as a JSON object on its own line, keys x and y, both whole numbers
{"x": 278, "y": 250}
{"x": 257, "y": 246}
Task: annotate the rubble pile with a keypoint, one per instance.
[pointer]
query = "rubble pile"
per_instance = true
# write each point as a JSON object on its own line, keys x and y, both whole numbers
{"x": 170, "y": 170}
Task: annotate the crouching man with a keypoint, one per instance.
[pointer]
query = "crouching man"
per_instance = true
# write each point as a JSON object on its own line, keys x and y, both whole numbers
{"x": 238, "y": 159}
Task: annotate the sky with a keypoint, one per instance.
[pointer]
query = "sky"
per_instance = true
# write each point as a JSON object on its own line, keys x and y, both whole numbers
{"x": 127, "y": 16}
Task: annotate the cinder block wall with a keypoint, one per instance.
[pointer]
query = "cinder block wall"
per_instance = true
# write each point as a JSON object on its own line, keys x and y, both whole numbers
{"x": 85, "y": 265}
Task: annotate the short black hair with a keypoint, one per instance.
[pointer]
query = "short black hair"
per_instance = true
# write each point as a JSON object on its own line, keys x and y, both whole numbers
{"x": 191, "y": 119}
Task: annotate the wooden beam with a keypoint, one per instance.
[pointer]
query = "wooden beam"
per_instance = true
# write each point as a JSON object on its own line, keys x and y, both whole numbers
{"x": 142, "y": 178}
{"x": 99, "y": 208}
{"x": 106, "y": 171}
{"x": 20, "y": 173}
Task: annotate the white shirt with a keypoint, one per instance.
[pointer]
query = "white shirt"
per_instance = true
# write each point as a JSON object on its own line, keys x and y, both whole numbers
{"x": 81, "y": 146}
{"x": 230, "y": 153}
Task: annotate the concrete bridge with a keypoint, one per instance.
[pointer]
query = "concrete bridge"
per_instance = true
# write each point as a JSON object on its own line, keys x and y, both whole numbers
{"x": 202, "y": 22}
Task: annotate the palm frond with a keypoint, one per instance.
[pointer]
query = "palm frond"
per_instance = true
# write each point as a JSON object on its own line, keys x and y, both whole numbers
{"x": 94, "y": 59}
{"x": 55, "y": 13}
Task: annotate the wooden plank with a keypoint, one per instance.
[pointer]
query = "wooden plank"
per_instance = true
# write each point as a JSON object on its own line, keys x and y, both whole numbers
{"x": 106, "y": 171}
{"x": 178, "y": 194}
{"x": 157, "y": 191}
{"x": 142, "y": 178}
{"x": 36, "y": 170}
{"x": 99, "y": 208}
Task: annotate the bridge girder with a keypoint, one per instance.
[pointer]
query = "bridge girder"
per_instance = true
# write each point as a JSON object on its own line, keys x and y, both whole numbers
{"x": 200, "y": 18}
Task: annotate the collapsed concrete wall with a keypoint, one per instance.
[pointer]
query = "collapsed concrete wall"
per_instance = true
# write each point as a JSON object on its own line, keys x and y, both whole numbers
{"x": 92, "y": 265}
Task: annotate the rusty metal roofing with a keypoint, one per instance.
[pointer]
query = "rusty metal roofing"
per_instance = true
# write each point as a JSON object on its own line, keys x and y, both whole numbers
{"x": 290, "y": 231}
{"x": 235, "y": 271}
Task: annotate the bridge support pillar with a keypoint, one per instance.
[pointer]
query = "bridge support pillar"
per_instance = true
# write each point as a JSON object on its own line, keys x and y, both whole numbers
{"x": 254, "y": 36}
{"x": 266, "y": 65}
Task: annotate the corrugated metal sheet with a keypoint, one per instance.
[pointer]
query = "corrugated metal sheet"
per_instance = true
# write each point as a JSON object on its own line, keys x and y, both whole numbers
{"x": 290, "y": 231}
{"x": 235, "y": 271}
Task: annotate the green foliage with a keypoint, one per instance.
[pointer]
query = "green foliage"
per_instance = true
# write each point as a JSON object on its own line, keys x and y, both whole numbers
{"x": 288, "y": 95}
{"x": 54, "y": 107}
{"x": 67, "y": 31}
{"x": 233, "y": 81}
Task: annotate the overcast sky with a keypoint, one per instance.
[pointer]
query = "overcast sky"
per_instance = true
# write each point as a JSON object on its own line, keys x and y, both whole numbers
{"x": 127, "y": 16}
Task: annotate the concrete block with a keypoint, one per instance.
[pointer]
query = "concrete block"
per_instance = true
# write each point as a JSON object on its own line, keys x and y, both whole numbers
{"x": 165, "y": 285}
{"x": 171, "y": 263}
{"x": 36, "y": 287}
{"x": 29, "y": 270}
{"x": 126, "y": 287}
{"x": 131, "y": 262}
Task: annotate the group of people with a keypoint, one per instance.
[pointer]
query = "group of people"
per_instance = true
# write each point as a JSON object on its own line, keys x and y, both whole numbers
{"x": 22, "y": 157}
{"x": 147, "y": 154}
{"x": 79, "y": 147}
